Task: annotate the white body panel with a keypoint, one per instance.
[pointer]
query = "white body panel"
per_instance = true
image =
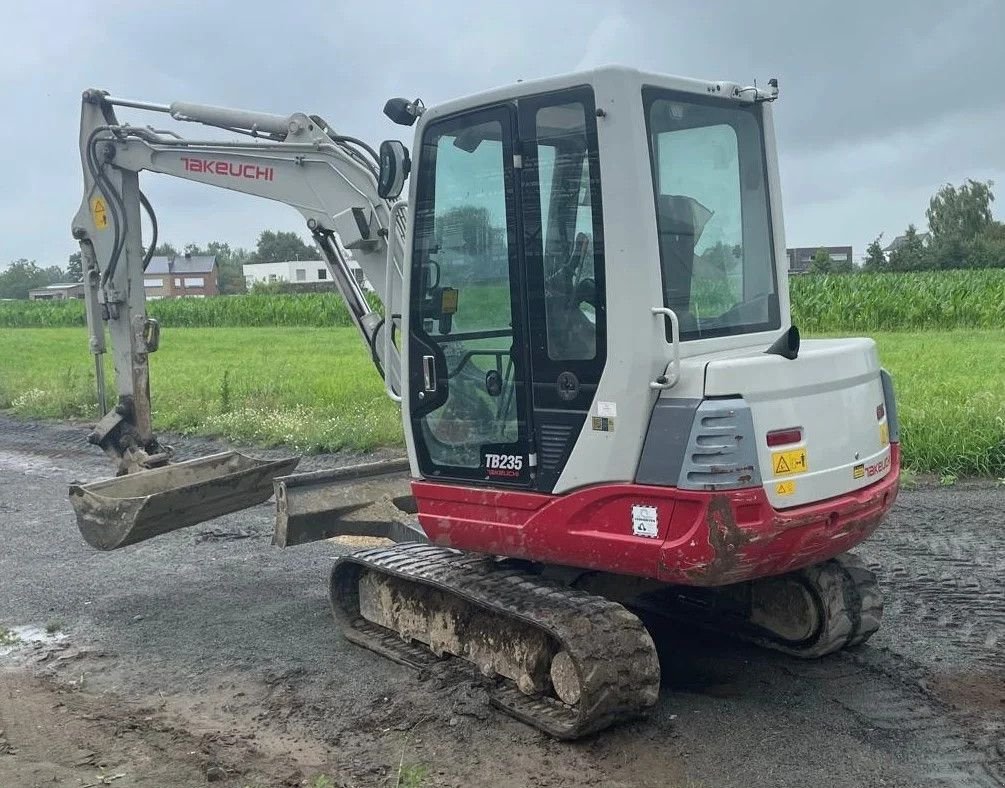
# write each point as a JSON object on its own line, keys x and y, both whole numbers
{"x": 831, "y": 392}
{"x": 638, "y": 351}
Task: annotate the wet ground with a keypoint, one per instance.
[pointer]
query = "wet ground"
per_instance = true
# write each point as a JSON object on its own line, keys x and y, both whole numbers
{"x": 209, "y": 656}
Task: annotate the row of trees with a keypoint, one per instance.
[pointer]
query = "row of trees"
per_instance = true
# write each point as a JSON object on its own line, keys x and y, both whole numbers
{"x": 272, "y": 247}
{"x": 962, "y": 233}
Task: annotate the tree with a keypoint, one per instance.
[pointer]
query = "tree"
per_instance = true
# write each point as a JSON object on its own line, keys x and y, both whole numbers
{"x": 165, "y": 250}
{"x": 279, "y": 246}
{"x": 911, "y": 255}
{"x": 821, "y": 263}
{"x": 74, "y": 269}
{"x": 875, "y": 260}
{"x": 55, "y": 274}
{"x": 960, "y": 213}
{"x": 21, "y": 276}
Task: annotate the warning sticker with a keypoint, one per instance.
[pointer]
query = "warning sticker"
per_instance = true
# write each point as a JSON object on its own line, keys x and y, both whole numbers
{"x": 99, "y": 212}
{"x": 884, "y": 434}
{"x": 645, "y": 521}
{"x": 785, "y": 488}
{"x": 786, "y": 462}
{"x": 858, "y": 471}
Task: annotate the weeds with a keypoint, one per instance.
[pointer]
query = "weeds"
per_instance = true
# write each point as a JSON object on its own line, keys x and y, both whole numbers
{"x": 413, "y": 776}
{"x": 8, "y": 638}
{"x": 54, "y": 625}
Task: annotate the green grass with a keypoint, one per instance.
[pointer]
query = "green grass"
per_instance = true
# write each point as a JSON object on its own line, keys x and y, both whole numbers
{"x": 310, "y": 388}
{"x": 8, "y": 638}
{"x": 316, "y": 390}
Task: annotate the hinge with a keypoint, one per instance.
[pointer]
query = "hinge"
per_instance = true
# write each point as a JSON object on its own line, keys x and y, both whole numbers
{"x": 518, "y": 161}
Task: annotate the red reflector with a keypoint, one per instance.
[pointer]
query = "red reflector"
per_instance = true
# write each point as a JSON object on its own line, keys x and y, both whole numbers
{"x": 880, "y": 412}
{"x": 783, "y": 437}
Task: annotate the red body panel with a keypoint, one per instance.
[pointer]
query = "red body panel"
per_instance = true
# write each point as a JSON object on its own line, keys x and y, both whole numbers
{"x": 703, "y": 538}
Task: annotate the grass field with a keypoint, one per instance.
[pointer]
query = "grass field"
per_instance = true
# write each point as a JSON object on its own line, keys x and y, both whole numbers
{"x": 315, "y": 389}
{"x": 311, "y": 388}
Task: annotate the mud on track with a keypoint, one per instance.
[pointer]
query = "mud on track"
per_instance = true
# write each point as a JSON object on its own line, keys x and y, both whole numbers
{"x": 209, "y": 654}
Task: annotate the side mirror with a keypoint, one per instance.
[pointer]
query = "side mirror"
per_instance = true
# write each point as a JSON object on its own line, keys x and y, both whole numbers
{"x": 402, "y": 111}
{"x": 395, "y": 165}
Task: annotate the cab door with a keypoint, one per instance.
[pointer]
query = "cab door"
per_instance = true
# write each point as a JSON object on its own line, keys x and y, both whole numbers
{"x": 468, "y": 381}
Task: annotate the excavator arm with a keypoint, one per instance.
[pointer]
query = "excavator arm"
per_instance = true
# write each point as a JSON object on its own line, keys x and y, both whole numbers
{"x": 346, "y": 192}
{"x": 332, "y": 180}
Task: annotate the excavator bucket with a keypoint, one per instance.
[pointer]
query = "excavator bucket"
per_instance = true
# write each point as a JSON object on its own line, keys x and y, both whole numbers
{"x": 128, "y": 509}
{"x": 371, "y": 499}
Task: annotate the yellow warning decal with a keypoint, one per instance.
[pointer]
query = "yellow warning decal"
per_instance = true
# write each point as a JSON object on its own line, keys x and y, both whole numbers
{"x": 785, "y": 488}
{"x": 99, "y": 212}
{"x": 884, "y": 434}
{"x": 858, "y": 471}
{"x": 786, "y": 462}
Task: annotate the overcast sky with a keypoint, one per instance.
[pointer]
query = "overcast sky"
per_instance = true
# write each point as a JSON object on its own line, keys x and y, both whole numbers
{"x": 881, "y": 100}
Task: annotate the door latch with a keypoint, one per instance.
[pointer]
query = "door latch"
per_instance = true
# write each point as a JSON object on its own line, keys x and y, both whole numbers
{"x": 429, "y": 373}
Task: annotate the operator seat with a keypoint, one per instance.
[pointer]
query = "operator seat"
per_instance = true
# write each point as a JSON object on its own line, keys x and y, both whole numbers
{"x": 681, "y": 221}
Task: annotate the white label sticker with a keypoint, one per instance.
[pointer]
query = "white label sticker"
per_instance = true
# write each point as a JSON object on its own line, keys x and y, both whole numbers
{"x": 607, "y": 410}
{"x": 644, "y": 521}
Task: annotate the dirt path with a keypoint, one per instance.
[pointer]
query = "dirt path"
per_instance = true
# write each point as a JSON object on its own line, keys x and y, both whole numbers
{"x": 208, "y": 654}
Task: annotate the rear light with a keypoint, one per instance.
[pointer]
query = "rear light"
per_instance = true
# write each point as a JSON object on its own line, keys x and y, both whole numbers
{"x": 785, "y": 437}
{"x": 880, "y": 412}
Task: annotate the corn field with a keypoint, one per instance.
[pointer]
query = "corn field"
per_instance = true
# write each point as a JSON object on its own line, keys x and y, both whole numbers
{"x": 898, "y": 302}
{"x": 308, "y": 309}
{"x": 861, "y": 303}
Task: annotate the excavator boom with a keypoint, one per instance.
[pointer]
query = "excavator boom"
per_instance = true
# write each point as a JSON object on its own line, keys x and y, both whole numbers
{"x": 333, "y": 181}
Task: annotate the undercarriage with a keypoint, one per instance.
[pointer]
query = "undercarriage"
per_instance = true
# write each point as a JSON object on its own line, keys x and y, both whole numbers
{"x": 567, "y": 661}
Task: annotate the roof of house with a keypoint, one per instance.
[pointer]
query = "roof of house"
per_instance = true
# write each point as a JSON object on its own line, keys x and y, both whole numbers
{"x": 61, "y": 286}
{"x": 285, "y": 262}
{"x": 182, "y": 264}
{"x": 900, "y": 240}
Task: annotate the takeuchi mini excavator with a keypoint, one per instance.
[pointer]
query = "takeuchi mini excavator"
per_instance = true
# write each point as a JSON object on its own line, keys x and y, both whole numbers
{"x": 606, "y": 407}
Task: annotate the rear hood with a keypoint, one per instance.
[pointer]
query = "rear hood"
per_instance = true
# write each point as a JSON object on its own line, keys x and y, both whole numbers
{"x": 832, "y": 393}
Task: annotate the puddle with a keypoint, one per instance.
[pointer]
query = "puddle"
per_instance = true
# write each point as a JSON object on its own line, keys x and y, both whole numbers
{"x": 30, "y": 464}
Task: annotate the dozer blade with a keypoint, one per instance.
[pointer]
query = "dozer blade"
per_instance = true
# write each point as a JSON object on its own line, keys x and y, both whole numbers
{"x": 372, "y": 499}
{"x": 128, "y": 509}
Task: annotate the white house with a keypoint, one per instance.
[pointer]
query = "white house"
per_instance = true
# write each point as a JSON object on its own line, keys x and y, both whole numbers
{"x": 296, "y": 272}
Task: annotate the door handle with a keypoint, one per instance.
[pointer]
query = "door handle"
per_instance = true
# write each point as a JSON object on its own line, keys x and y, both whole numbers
{"x": 429, "y": 373}
{"x": 672, "y": 375}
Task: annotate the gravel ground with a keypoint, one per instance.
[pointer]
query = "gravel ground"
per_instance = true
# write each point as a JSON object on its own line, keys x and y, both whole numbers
{"x": 208, "y": 655}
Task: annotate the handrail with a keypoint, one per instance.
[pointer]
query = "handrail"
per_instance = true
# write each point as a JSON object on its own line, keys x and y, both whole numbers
{"x": 665, "y": 381}
{"x": 400, "y": 205}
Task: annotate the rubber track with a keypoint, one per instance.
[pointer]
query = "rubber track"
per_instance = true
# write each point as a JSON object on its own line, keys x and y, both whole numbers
{"x": 617, "y": 660}
{"x": 851, "y": 604}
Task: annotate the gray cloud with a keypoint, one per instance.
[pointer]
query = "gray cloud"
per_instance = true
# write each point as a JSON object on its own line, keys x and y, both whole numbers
{"x": 881, "y": 101}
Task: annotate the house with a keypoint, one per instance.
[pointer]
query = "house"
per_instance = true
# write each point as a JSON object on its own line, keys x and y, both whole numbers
{"x": 57, "y": 292}
{"x": 801, "y": 257}
{"x": 194, "y": 276}
{"x": 312, "y": 274}
{"x": 900, "y": 240}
